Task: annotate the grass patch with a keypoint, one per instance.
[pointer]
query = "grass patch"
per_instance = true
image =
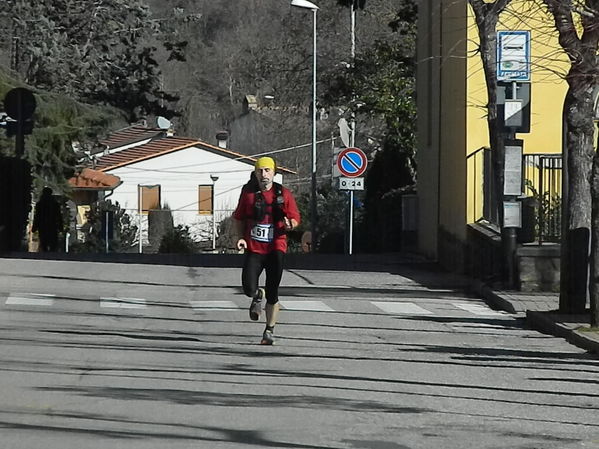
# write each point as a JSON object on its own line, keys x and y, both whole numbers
{"x": 588, "y": 329}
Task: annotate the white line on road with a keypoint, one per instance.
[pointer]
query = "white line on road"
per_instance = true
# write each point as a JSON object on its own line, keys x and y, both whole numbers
{"x": 123, "y": 303}
{"x": 31, "y": 299}
{"x": 311, "y": 306}
{"x": 214, "y": 305}
{"x": 402, "y": 308}
{"x": 478, "y": 309}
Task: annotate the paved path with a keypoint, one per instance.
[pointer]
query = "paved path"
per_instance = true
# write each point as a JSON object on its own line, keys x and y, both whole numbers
{"x": 131, "y": 356}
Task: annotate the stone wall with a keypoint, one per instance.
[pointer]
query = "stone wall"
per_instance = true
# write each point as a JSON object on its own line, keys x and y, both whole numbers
{"x": 538, "y": 267}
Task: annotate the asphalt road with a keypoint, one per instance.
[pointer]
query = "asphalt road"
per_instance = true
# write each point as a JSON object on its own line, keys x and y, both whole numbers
{"x": 100, "y": 355}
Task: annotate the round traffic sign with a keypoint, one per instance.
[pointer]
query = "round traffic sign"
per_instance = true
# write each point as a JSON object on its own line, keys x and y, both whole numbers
{"x": 352, "y": 162}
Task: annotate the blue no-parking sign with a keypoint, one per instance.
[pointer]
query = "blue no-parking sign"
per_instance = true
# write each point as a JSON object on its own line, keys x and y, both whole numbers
{"x": 352, "y": 162}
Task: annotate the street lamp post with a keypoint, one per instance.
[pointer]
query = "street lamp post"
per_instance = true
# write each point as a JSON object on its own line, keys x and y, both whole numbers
{"x": 214, "y": 179}
{"x": 313, "y": 211}
{"x": 352, "y": 138}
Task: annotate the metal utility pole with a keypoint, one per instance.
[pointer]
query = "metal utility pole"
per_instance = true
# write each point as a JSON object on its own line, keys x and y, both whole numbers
{"x": 352, "y": 137}
{"x": 305, "y": 4}
{"x": 214, "y": 179}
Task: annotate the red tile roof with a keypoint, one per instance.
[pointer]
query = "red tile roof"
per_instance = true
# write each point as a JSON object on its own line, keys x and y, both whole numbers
{"x": 90, "y": 179}
{"x": 158, "y": 147}
{"x": 131, "y": 135}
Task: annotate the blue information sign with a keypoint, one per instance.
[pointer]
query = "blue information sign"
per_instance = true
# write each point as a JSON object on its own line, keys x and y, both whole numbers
{"x": 513, "y": 55}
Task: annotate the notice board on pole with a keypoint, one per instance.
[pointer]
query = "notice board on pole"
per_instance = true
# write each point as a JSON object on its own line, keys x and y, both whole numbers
{"x": 512, "y": 174}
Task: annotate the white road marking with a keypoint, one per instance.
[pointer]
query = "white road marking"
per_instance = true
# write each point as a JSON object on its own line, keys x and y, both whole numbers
{"x": 123, "y": 303}
{"x": 312, "y": 306}
{"x": 402, "y": 308}
{"x": 478, "y": 309}
{"x": 30, "y": 299}
{"x": 215, "y": 305}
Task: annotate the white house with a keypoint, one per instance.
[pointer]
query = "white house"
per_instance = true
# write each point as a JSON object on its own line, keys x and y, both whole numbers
{"x": 198, "y": 181}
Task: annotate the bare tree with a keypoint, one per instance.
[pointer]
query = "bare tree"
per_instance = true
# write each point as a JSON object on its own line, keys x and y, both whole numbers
{"x": 577, "y": 24}
{"x": 487, "y": 16}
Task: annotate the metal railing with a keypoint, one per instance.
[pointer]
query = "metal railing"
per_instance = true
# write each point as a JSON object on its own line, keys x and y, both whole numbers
{"x": 543, "y": 183}
{"x": 542, "y": 205}
{"x": 483, "y": 188}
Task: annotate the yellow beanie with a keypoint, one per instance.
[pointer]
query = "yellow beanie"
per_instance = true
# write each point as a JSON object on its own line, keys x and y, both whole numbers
{"x": 265, "y": 162}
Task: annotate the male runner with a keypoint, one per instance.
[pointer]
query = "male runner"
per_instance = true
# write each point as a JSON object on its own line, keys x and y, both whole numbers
{"x": 265, "y": 212}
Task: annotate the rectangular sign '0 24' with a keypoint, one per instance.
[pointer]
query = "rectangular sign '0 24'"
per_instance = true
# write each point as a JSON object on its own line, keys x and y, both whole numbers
{"x": 351, "y": 183}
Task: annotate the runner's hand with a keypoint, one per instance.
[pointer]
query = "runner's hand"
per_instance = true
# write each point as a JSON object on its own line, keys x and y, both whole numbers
{"x": 241, "y": 244}
{"x": 288, "y": 224}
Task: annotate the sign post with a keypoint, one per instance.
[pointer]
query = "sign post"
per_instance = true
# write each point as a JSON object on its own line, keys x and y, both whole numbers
{"x": 19, "y": 105}
{"x": 513, "y": 71}
{"x": 351, "y": 163}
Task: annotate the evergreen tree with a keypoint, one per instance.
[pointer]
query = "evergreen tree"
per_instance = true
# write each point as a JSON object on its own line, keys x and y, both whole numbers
{"x": 91, "y": 51}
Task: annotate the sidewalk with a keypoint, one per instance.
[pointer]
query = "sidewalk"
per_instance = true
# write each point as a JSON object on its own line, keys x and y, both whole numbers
{"x": 541, "y": 312}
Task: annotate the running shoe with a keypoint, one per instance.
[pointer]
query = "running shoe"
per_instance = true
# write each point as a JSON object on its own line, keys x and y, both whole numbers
{"x": 256, "y": 305}
{"x": 267, "y": 338}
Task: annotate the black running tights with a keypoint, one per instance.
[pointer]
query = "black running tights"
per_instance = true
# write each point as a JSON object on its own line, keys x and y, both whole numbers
{"x": 253, "y": 265}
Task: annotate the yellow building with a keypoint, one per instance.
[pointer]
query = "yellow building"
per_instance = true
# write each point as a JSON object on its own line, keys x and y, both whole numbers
{"x": 453, "y": 131}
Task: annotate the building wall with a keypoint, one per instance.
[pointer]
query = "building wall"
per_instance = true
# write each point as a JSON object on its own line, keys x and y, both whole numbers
{"x": 179, "y": 175}
{"x": 427, "y": 87}
{"x": 549, "y": 65}
{"x": 441, "y": 91}
{"x": 452, "y": 124}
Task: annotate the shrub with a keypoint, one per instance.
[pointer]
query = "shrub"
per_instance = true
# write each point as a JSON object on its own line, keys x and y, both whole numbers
{"x": 122, "y": 233}
{"x": 178, "y": 241}
{"x": 160, "y": 222}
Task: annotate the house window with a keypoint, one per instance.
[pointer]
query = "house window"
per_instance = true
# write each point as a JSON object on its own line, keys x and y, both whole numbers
{"x": 149, "y": 198}
{"x": 205, "y": 199}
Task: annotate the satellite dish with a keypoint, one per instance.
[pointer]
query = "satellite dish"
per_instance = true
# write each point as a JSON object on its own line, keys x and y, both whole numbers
{"x": 344, "y": 131}
{"x": 163, "y": 123}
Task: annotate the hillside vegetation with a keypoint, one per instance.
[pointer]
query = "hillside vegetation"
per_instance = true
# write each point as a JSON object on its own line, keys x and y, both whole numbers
{"x": 99, "y": 65}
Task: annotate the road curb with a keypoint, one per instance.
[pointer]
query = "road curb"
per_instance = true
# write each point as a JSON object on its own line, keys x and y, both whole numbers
{"x": 545, "y": 322}
{"x": 542, "y": 321}
{"x": 492, "y": 298}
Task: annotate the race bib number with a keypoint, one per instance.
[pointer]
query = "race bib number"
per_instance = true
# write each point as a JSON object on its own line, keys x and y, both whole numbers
{"x": 262, "y": 233}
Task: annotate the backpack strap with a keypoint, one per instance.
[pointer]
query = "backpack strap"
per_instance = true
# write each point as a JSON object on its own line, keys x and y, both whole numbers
{"x": 276, "y": 206}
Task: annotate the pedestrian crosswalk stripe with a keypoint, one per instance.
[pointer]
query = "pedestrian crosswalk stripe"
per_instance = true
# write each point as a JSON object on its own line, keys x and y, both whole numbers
{"x": 402, "y": 308}
{"x": 312, "y": 306}
{"x": 30, "y": 299}
{"x": 391, "y": 307}
{"x": 477, "y": 309}
{"x": 214, "y": 305}
{"x": 123, "y": 303}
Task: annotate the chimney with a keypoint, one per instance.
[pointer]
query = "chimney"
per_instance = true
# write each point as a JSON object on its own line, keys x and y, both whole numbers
{"x": 250, "y": 103}
{"x": 222, "y": 137}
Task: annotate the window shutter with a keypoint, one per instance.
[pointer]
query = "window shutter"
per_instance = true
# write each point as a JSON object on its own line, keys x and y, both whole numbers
{"x": 205, "y": 198}
{"x": 149, "y": 198}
